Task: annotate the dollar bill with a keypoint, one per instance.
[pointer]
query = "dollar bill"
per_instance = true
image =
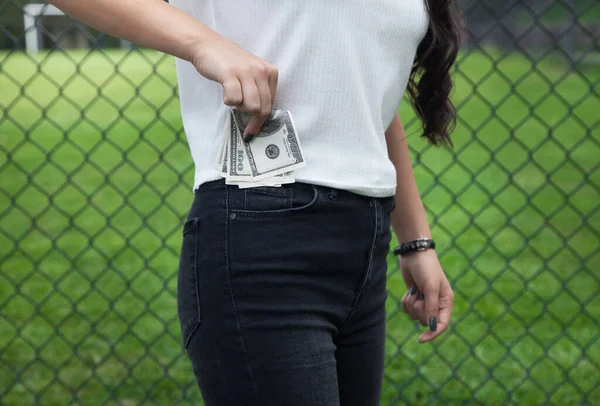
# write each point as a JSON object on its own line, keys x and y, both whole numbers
{"x": 238, "y": 167}
{"x": 275, "y": 149}
{"x": 238, "y": 164}
{"x": 220, "y": 164}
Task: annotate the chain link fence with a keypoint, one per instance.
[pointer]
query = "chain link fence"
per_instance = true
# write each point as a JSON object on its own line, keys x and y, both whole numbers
{"x": 95, "y": 179}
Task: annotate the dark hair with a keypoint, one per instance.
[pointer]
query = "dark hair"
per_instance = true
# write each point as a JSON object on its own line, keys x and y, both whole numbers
{"x": 430, "y": 82}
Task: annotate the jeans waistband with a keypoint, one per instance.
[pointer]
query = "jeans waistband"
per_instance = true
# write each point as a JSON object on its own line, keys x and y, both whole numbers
{"x": 332, "y": 193}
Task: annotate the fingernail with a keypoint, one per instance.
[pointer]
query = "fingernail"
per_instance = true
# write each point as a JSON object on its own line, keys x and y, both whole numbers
{"x": 421, "y": 297}
{"x": 413, "y": 290}
{"x": 249, "y": 137}
{"x": 432, "y": 323}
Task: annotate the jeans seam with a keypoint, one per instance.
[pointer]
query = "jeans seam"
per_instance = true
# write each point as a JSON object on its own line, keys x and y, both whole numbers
{"x": 195, "y": 265}
{"x": 235, "y": 313}
{"x": 368, "y": 271}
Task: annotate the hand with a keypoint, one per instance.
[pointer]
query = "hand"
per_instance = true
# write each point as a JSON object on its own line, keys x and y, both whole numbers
{"x": 430, "y": 295}
{"x": 249, "y": 83}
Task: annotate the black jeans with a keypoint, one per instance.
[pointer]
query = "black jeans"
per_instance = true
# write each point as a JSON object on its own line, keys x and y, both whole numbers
{"x": 281, "y": 295}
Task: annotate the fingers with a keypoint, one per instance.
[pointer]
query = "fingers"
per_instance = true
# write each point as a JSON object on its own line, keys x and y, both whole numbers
{"x": 251, "y": 103}
{"x": 252, "y": 89}
{"x": 232, "y": 91}
{"x": 407, "y": 298}
{"x": 412, "y": 290}
{"x": 430, "y": 297}
{"x": 264, "y": 108}
{"x": 414, "y": 305}
{"x": 273, "y": 80}
{"x": 432, "y": 292}
{"x": 446, "y": 302}
{"x": 436, "y": 304}
{"x": 430, "y": 314}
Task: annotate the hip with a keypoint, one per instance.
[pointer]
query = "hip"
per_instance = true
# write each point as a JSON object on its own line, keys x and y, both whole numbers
{"x": 293, "y": 204}
{"x": 295, "y": 226}
{"x": 240, "y": 242}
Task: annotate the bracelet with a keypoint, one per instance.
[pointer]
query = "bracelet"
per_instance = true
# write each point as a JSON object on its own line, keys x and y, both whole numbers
{"x": 420, "y": 244}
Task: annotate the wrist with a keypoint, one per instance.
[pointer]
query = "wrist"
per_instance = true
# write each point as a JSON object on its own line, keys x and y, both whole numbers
{"x": 416, "y": 255}
{"x": 416, "y": 245}
{"x": 408, "y": 228}
{"x": 193, "y": 50}
{"x": 195, "y": 44}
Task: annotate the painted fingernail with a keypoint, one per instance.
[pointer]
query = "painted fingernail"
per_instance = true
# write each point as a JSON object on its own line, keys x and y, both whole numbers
{"x": 432, "y": 323}
{"x": 249, "y": 137}
{"x": 413, "y": 290}
{"x": 421, "y": 297}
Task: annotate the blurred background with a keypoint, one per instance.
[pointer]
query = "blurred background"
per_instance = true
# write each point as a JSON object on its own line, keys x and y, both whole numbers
{"x": 96, "y": 177}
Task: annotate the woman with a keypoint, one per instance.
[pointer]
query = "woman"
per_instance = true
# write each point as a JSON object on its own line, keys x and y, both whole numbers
{"x": 281, "y": 290}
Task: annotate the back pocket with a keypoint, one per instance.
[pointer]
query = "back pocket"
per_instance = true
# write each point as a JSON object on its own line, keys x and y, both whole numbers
{"x": 188, "y": 298}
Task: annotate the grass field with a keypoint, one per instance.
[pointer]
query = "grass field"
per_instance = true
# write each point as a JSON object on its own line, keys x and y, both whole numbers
{"x": 585, "y": 10}
{"x": 94, "y": 185}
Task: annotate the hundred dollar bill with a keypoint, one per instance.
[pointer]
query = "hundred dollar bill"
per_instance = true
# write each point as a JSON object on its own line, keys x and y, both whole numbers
{"x": 236, "y": 169}
{"x": 275, "y": 149}
{"x": 238, "y": 165}
{"x": 220, "y": 163}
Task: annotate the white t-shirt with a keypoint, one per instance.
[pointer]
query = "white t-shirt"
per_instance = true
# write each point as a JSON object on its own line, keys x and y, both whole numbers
{"x": 343, "y": 69}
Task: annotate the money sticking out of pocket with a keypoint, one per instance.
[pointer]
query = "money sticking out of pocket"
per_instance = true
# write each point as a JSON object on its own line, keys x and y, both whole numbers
{"x": 269, "y": 159}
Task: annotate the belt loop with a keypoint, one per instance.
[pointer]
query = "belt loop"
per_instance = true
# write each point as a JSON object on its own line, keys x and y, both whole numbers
{"x": 333, "y": 194}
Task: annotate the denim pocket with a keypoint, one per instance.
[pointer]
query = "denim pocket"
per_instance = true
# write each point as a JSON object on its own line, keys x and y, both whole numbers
{"x": 188, "y": 299}
{"x": 268, "y": 198}
{"x": 273, "y": 201}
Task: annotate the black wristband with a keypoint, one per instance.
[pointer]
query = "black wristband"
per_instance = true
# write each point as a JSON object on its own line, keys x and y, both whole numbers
{"x": 420, "y": 244}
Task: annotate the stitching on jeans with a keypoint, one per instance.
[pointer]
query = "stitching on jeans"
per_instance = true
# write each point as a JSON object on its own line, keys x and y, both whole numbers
{"x": 368, "y": 270}
{"x": 279, "y": 212}
{"x": 237, "y": 319}
{"x": 371, "y": 250}
{"x": 196, "y": 232}
{"x": 270, "y": 191}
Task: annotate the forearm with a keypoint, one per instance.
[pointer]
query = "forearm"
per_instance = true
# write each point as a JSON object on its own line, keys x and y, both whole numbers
{"x": 409, "y": 220}
{"x": 151, "y": 23}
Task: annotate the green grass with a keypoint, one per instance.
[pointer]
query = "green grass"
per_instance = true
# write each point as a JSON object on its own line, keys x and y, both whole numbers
{"x": 91, "y": 208}
{"x": 584, "y": 11}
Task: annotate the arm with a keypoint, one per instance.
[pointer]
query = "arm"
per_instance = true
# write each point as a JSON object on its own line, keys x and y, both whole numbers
{"x": 409, "y": 220}
{"x": 151, "y": 23}
{"x": 249, "y": 83}
{"x": 430, "y": 298}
